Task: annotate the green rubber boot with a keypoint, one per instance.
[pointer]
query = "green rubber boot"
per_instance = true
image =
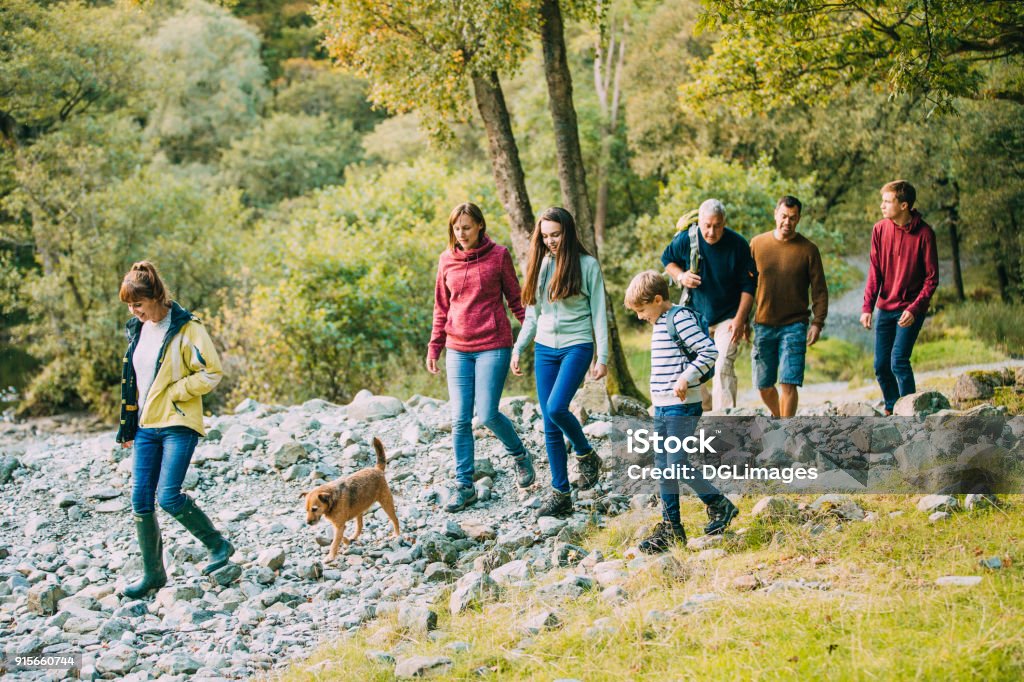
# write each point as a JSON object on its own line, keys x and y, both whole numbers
{"x": 153, "y": 577}
{"x": 199, "y": 524}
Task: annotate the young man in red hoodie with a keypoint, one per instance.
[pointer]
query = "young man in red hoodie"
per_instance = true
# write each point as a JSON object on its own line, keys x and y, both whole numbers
{"x": 903, "y": 275}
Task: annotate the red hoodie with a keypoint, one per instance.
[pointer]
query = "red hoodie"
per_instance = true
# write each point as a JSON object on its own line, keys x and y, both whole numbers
{"x": 904, "y": 270}
{"x": 469, "y": 314}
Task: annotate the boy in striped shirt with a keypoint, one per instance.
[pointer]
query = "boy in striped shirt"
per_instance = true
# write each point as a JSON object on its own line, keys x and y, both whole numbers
{"x": 675, "y": 392}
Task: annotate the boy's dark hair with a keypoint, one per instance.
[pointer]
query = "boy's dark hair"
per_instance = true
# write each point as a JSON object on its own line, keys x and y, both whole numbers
{"x": 903, "y": 190}
{"x": 790, "y": 202}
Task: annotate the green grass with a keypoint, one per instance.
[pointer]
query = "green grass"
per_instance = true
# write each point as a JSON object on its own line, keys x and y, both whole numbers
{"x": 883, "y": 618}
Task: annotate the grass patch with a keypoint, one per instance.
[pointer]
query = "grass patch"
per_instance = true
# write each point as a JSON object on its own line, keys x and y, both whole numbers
{"x": 882, "y": 618}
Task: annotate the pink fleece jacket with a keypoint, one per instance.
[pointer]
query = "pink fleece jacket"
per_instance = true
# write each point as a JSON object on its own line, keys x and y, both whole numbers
{"x": 469, "y": 314}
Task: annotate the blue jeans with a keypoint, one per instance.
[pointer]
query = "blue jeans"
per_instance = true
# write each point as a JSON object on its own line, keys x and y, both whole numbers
{"x": 476, "y": 380}
{"x": 778, "y": 354}
{"x": 559, "y": 373}
{"x": 893, "y": 346}
{"x": 680, "y": 421}
{"x": 158, "y": 468}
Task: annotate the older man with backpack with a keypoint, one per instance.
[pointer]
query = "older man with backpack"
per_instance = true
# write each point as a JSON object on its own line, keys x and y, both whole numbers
{"x": 712, "y": 264}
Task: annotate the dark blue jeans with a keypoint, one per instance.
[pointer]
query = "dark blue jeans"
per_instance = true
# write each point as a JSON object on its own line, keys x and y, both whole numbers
{"x": 680, "y": 421}
{"x": 893, "y": 346}
{"x": 475, "y": 380}
{"x": 158, "y": 470}
{"x": 559, "y": 373}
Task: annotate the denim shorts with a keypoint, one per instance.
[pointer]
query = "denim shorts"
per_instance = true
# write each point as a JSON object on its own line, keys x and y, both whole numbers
{"x": 778, "y": 354}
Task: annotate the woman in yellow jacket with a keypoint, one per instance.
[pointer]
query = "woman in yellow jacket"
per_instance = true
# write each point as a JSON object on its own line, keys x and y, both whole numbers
{"x": 170, "y": 364}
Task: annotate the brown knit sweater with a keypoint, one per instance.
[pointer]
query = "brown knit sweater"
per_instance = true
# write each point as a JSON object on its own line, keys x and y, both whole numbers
{"x": 785, "y": 271}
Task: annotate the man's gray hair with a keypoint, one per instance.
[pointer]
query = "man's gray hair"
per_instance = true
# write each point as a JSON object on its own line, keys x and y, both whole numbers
{"x": 712, "y": 207}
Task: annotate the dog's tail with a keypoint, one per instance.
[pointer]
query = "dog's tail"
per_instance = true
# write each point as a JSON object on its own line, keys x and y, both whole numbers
{"x": 379, "y": 447}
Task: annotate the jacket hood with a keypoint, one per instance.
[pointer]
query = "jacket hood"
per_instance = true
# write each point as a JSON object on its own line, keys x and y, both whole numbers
{"x": 179, "y": 316}
{"x": 916, "y": 220}
{"x": 485, "y": 247}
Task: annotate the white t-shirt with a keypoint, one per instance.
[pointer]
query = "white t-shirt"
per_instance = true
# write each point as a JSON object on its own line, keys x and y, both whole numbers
{"x": 146, "y": 355}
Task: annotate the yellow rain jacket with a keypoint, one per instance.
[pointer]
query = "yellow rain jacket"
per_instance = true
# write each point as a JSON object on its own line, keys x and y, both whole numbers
{"x": 188, "y": 368}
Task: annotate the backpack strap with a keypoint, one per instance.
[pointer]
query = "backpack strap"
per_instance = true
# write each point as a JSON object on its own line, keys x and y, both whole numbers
{"x": 684, "y": 299}
{"x": 670, "y": 323}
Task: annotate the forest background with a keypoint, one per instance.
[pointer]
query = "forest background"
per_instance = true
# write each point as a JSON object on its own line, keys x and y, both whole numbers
{"x": 290, "y": 167}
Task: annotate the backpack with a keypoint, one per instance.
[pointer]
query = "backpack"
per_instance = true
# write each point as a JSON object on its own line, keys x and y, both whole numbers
{"x": 673, "y": 333}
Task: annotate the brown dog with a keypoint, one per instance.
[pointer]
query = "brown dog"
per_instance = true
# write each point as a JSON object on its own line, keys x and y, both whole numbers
{"x": 348, "y": 498}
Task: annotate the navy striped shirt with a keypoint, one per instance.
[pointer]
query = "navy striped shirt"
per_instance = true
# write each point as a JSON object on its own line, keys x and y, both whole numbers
{"x": 668, "y": 362}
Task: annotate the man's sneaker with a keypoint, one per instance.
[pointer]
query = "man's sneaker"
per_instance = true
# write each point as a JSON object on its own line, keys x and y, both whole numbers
{"x": 525, "y": 475}
{"x": 559, "y": 504}
{"x": 460, "y": 498}
{"x": 663, "y": 536}
{"x": 720, "y": 515}
{"x": 589, "y": 466}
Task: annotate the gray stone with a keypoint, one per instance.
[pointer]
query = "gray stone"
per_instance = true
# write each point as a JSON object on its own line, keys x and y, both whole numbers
{"x": 549, "y": 525}
{"x": 436, "y": 547}
{"x": 935, "y": 517}
{"x": 970, "y": 386}
{"x": 287, "y": 453}
{"x": 841, "y": 506}
{"x": 8, "y": 465}
{"x": 44, "y": 598}
{"x": 439, "y": 572}
{"x": 479, "y": 532}
{"x": 994, "y": 563}
{"x": 774, "y": 508}
{"x": 176, "y": 663}
{"x": 920, "y": 404}
{"x": 421, "y": 666}
{"x": 247, "y": 405}
{"x": 416, "y": 618}
{"x": 472, "y": 589}
{"x": 980, "y": 501}
{"x": 272, "y": 558}
{"x": 374, "y": 407}
{"x": 937, "y": 503}
{"x": 599, "y": 430}
{"x": 483, "y": 468}
{"x": 566, "y": 554}
{"x": 512, "y": 572}
{"x": 538, "y": 622}
{"x": 226, "y": 575}
{"x": 118, "y": 660}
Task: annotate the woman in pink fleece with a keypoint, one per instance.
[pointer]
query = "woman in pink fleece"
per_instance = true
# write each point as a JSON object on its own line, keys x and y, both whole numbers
{"x": 474, "y": 278}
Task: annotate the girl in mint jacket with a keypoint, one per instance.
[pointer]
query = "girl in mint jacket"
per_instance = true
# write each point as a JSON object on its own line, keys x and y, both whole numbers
{"x": 566, "y": 317}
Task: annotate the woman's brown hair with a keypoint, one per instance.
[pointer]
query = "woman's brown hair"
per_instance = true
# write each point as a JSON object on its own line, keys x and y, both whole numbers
{"x": 474, "y": 213}
{"x": 143, "y": 281}
{"x": 568, "y": 278}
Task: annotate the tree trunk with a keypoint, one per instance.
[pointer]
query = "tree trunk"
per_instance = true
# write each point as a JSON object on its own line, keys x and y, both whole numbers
{"x": 953, "y": 218}
{"x": 607, "y": 76}
{"x": 505, "y": 164}
{"x": 572, "y": 177}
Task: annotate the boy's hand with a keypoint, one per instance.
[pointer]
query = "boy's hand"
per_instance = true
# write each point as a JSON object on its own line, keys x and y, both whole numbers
{"x": 681, "y": 388}
{"x": 906, "y": 319}
{"x": 865, "y": 320}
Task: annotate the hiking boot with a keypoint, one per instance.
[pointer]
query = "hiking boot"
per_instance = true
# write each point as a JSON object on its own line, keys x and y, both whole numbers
{"x": 589, "y": 466}
{"x": 663, "y": 536}
{"x": 559, "y": 504}
{"x": 460, "y": 497}
{"x": 525, "y": 475}
{"x": 153, "y": 575}
{"x": 720, "y": 515}
{"x": 199, "y": 524}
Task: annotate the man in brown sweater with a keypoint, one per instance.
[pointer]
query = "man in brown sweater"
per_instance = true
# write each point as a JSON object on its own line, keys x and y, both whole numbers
{"x": 788, "y": 265}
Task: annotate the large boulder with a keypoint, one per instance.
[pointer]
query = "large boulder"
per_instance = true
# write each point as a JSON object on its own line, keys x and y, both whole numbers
{"x": 370, "y": 408}
{"x": 920, "y": 404}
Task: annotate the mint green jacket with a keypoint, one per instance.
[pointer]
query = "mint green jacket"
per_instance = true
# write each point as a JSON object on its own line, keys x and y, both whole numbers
{"x": 571, "y": 321}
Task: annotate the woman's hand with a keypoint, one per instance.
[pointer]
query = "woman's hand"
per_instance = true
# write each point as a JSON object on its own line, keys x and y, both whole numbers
{"x": 432, "y": 365}
{"x": 598, "y": 371}
{"x": 515, "y": 365}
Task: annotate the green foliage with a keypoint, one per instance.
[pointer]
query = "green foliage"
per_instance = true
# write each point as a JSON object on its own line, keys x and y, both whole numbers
{"x": 994, "y": 323}
{"x": 205, "y": 81}
{"x": 92, "y": 210}
{"x": 352, "y": 298}
{"x": 57, "y": 61}
{"x": 417, "y": 55}
{"x": 314, "y": 89}
{"x": 773, "y": 53}
{"x": 288, "y": 155}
